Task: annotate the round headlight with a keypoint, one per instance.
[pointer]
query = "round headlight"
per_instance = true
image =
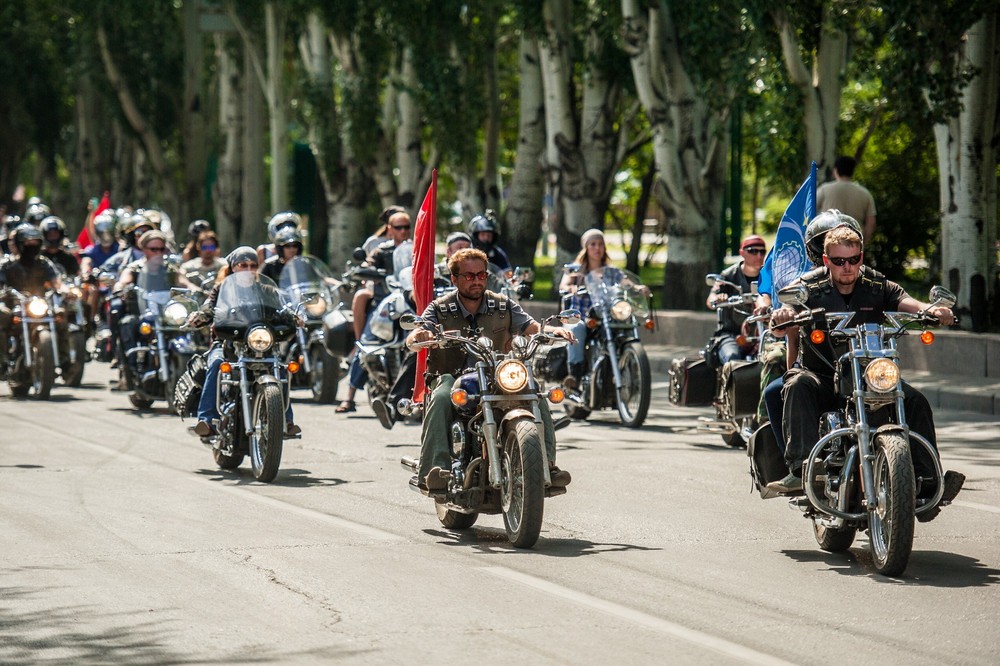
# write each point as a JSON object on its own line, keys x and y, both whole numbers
{"x": 512, "y": 376}
{"x": 882, "y": 375}
{"x": 175, "y": 314}
{"x": 260, "y": 339}
{"x": 316, "y": 308}
{"x": 37, "y": 308}
{"x": 621, "y": 310}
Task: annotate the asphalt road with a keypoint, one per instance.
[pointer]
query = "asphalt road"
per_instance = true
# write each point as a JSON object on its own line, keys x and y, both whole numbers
{"x": 123, "y": 543}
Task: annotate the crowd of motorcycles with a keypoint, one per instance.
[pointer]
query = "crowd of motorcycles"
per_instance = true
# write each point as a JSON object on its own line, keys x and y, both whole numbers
{"x": 859, "y": 476}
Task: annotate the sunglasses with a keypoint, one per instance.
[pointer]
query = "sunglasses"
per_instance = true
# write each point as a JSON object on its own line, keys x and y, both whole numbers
{"x": 469, "y": 277}
{"x": 208, "y": 247}
{"x": 246, "y": 264}
{"x": 755, "y": 250}
{"x": 158, "y": 248}
{"x": 840, "y": 261}
{"x": 400, "y": 227}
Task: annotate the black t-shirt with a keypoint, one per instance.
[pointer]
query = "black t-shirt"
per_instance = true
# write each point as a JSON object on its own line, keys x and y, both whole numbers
{"x": 730, "y": 320}
{"x": 31, "y": 277}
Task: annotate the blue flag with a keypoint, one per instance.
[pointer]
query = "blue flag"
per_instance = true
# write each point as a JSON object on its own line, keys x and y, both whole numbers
{"x": 787, "y": 259}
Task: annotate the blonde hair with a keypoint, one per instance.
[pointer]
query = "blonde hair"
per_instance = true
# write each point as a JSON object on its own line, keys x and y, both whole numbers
{"x": 842, "y": 236}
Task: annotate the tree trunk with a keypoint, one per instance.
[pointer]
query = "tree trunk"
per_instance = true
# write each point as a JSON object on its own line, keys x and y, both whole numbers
{"x": 227, "y": 191}
{"x": 194, "y": 128}
{"x": 967, "y": 159}
{"x": 253, "y": 229}
{"x": 523, "y": 218}
{"x": 689, "y": 145}
{"x": 275, "y": 26}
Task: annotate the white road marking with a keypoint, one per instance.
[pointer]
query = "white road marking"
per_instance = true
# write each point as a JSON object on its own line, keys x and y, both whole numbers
{"x": 693, "y": 636}
{"x": 974, "y": 505}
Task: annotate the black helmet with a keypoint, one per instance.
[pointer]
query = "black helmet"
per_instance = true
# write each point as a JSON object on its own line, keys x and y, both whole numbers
{"x": 26, "y": 233}
{"x": 817, "y": 229}
{"x": 288, "y": 236}
{"x": 136, "y": 222}
{"x": 53, "y": 223}
{"x": 104, "y": 227}
{"x": 36, "y": 213}
{"x": 281, "y": 220}
{"x": 196, "y": 227}
{"x": 484, "y": 223}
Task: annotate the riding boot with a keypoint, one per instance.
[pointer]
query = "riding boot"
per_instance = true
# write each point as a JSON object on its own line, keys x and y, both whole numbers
{"x": 572, "y": 380}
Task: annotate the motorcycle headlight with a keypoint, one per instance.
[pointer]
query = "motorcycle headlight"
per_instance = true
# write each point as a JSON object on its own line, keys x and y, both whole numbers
{"x": 317, "y": 308}
{"x": 175, "y": 314}
{"x": 882, "y": 375}
{"x": 260, "y": 339}
{"x": 512, "y": 376}
{"x": 621, "y": 310}
{"x": 37, "y": 308}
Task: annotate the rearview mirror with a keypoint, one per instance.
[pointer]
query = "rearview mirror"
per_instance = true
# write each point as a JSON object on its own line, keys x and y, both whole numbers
{"x": 796, "y": 294}
{"x": 408, "y": 322}
{"x": 941, "y": 297}
{"x": 570, "y": 317}
{"x": 712, "y": 278}
{"x": 359, "y": 254}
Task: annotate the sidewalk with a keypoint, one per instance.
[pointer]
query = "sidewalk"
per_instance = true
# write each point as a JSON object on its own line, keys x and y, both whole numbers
{"x": 959, "y": 371}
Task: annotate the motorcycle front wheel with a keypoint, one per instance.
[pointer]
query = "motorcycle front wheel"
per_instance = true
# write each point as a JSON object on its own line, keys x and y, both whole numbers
{"x": 890, "y": 524}
{"x": 77, "y": 342}
{"x": 43, "y": 370}
{"x": 269, "y": 431}
{"x": 633, "y": 397}
{"x": 324, "y": 375}
{"x": 522, "y": 483}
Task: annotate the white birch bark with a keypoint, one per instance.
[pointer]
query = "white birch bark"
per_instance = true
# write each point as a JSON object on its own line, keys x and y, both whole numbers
{"x": 253, "y": 229}
{"x": 227, "y": 189}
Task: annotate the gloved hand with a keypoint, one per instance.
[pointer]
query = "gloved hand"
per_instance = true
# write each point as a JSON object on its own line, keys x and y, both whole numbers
{"x": 198, "y": 319}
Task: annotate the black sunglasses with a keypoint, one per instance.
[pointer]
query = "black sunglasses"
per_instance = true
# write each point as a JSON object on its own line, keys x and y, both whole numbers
{"x": 755, "y": 250}
{"x": 158, "y": 248}
{"x": 840, "y": 261}
{"x": 469, "y": 277}
{"x": 245, "y": 264}
{"x": 401, "y": 226}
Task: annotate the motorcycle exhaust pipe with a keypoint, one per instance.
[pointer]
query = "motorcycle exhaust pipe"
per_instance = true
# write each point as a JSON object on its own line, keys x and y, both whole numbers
{"x": 409, "y": 463}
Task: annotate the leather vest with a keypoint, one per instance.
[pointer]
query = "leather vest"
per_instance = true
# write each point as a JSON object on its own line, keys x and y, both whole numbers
{"x": 867, "y": 301}
{"x": 495, "y": 322}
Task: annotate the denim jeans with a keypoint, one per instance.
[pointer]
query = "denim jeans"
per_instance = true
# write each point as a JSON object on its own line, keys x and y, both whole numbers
{"x": 575, "y": 351}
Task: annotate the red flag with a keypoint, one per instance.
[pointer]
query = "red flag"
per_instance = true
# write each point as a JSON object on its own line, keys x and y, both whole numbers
{"x": 83, "y": 241}
{"x": 423, "y": 270}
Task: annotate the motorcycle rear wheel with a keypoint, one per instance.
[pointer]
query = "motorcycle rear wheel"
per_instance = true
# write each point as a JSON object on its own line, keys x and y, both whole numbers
{"x": 227, "y": 462}
{"x": 139, "y": 402}
{"x": 522, "y": 483}
{"x": 78, "y": 342}
{"x": 455, "y": 520}
{"x": 43, "y": 370}
{"x": 269, "y": 431}
{"x": 633, "y": 399}
{"x": 834, "y": 539}
{"x": 324, "y": 376}
{"x": 890, "y": 525}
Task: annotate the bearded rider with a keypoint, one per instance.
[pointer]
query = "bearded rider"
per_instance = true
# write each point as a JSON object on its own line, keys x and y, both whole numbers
{"x": 470, "y": 307}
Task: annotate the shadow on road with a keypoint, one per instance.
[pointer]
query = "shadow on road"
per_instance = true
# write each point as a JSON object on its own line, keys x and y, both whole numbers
{"x": 494, "y": 540}
{"x": 927, "y": 568}
{"x": 287, "y": 478}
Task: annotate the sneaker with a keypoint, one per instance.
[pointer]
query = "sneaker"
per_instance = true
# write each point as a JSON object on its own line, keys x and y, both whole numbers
{"x": 437, "y": 479}
{"x": 789, "y": 484}
{"x": 559, "y": 478}
{"x": 384, "y": 412}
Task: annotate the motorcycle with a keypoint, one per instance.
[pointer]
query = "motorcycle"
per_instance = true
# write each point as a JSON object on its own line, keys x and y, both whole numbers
{"x": 32, "y": 352}
{"x": 70, "y": 307}
{"x": 859, "y": 475}
{"x": 737, "y": 392}
{"x": 382, "y": 354}
{"x": 251, "y": 320}
{"x": 618, "y": 373}
{"x": 164, "y": 344}
{"x": 307, "y": 280}
{"x": 499, "y": 460}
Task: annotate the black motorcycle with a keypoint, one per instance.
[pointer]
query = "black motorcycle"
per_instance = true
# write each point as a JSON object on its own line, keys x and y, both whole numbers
{"x": 33, "y": 346}
{"x": 251, "y": 319}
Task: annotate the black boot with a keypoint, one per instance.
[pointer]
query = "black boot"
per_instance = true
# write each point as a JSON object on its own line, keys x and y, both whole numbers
{"x": 573, "y": 379}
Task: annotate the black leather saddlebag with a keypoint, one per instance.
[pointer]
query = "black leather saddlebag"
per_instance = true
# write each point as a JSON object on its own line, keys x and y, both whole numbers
{"x": 692, "y": 382}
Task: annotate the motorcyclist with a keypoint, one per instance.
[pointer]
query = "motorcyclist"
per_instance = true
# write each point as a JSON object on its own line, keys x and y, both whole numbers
{"x": 288, "y": 244}
{"x": 283, "y": 220}
{"x": 207, "y": 262}
{"x": 35, "y": 213}
{"x": 241, "y": 259}
{"x": 28, "y": 272}
{"x": 485, "y": 233}
{"x": 105, "y": 244}
{"x": 745, "y": 273}
{"x": 54, "y": 233}
{"x": 498, "y": 318}
{"x": 195, "y": 230}
{"x": 845, "y": 284}
{"x": 10, "y": 224}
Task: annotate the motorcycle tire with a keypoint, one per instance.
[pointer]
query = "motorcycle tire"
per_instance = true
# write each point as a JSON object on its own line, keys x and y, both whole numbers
{"x": 834, "y": 539}
{"x": 227, "y": 462}
{"x": 178, "y": 366}
{"x": 324, "y": 376}
{"x": 269, "y": 432}
{"x": 43, "y": 370}
{"x": 890, "y": 525}
{"x": 634, "y": 396}
{"x": 139, "y": 402}
{"x": 455, "y": 520}
{"x": 74, "y": 375}
{"x": 522, "y": 483}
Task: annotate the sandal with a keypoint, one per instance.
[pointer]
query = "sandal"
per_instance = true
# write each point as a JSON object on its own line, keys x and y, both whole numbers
{"x": 346, "y": 406}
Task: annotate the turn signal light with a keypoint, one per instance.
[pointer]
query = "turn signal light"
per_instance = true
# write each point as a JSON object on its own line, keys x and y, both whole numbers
{"x": 592, "y": 323}
{"x": 650, "y": 325}
{"x": 557, "y": 395}
{"x": 817, "y": 337}
{"x": 225, "y": 367}
{"x": 460, "y": 397}
{"x": 741, "y": 340}
{"x": 17, "y": 320}
{"x": 145, "y": 328}
{"x": 927, "y": 337}
{"x": 293, "y": 367}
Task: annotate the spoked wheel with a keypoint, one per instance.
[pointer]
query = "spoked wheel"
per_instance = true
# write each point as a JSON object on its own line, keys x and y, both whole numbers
{"x": 523, "y": 483}
{"x": 178, "y": 366}
{"x": 74, "y": 375}
{"x": 890, "y": 524}
{"x": 455, "y": 520}
{"x": 324, "y": 375}
{"x": 43, "y": 369}
{"x": 268, "y": 432}
{"x": 633, "y": 398}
